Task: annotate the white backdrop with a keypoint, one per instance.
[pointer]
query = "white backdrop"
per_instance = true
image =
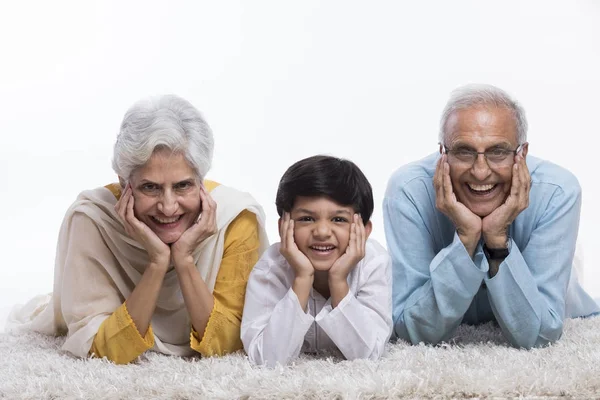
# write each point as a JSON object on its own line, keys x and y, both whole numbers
{"x": 277, "y": 81}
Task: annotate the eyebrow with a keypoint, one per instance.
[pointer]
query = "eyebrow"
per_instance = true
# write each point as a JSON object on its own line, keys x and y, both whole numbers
{"x": 306, "y": 211}
{"x": 467, "y": 146}
{"x": 175, "y": 183}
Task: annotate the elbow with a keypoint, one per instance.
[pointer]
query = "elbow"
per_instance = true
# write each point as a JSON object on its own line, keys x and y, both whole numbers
{"x": 547, "y": 334}
{"x": 417, "y": 332}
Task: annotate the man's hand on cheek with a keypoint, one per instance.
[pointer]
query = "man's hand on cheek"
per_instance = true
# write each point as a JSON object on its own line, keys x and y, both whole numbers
{"x": 495, "y": 226}
{"x": 468, "y": 225}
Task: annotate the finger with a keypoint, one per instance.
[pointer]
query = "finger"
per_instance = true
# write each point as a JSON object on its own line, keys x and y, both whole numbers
{"x": 439, "y": 183}
{"x": 129, "y": 218}
{"x": 121, "y": 206}
{"x": 283, "y": 227}
{"x": 438, "y": 173}
{"x": 525, "y": 176}
{"x": 516, "y": 181}
{"x": 291, "y": 241}
{"x": 209, "y": 206}
{"x": 361, "y": 234}
{"x": 448, "y": 192}
{"x": 352, "y": 243}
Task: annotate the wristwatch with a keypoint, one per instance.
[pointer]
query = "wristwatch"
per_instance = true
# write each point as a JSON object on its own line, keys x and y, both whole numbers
{"x": 495, "y": 254}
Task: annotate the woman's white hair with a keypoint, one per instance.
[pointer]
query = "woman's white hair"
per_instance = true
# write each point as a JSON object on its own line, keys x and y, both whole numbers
{"x": 166, "y": 121}
{"x": 480, "y": 95}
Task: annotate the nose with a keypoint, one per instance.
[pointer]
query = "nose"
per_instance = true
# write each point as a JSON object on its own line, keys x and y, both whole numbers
{"x": 322, "y": 230}
{"x": 168, "y": 204}
{"x": 481, "y": 169}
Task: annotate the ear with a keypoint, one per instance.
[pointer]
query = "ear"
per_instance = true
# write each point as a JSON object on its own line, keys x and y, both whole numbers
{"x": 279, "y": 222}
{"x": 368, "y": 229}
{"x": 525, "y": 149}
{"x": 441, "y": 149}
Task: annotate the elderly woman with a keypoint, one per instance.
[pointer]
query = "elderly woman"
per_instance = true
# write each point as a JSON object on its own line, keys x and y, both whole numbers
{"x": 160, "y": 260}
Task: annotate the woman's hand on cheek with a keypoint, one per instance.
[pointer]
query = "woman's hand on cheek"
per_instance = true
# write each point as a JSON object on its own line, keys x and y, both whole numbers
{"x": 158, "y": 251}
{"x": 203, "y": 228}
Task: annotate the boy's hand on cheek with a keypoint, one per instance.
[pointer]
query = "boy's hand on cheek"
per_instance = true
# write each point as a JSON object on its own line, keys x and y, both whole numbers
{"x": 299, "y": 262}
{"x": 338, "y": 273}
{"x": 354, "y": 252}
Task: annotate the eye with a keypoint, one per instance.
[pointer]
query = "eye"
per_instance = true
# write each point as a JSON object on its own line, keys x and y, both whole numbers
{"x": 184, "y": 185}
{"x": 464, "y": 152}
{"x": 498, "y": 152}
{"x": 149, "y": 187}
{"x": 339, "y": 219}
{"x": 305, "y": 218}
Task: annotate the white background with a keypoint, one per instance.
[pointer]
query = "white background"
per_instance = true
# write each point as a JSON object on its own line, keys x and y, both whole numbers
{"x": 277, "y": 81}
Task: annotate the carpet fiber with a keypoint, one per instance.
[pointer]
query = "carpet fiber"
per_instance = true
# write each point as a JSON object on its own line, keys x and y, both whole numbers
{"x": 477, "y": 363}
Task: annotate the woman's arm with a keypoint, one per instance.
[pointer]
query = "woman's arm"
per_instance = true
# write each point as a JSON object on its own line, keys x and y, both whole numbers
{"x": 221, "y": 332}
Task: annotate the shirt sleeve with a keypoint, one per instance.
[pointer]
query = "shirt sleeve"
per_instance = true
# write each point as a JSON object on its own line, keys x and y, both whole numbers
{"x": 119, "y": 340}
{"x": 361, "y": 324}
{"x": 274, "y": 323}
{"x": 528, "y": 293}
{"x": 241, "y": 247}
{"x": 431, "y": 290}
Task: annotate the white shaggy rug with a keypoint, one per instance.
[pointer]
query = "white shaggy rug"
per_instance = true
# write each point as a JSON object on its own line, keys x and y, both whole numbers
{"x": 478, "y": 363}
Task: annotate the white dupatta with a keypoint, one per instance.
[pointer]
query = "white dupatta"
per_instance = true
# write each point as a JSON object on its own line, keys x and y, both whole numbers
{"x": 98, "y": 265}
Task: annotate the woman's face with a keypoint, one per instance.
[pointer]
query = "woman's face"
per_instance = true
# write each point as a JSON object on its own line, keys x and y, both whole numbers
{"x": 167, "y": 195}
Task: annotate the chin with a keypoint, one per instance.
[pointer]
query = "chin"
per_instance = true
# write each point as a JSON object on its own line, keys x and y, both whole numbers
{"x": 170, "y": 238}
{"x": 320, "y": 266}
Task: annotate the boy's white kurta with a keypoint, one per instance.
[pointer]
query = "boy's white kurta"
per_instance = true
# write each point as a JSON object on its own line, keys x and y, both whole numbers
{"x": 275, "y": 328}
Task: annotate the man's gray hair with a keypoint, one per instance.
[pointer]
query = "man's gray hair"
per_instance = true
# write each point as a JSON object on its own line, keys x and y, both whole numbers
{"x": 166, "y": 121}
{"x": 475, "y": 95}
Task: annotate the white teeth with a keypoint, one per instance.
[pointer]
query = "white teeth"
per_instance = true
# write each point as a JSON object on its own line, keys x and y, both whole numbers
{"x": 167, "y": 220}
{"x": 323, "y": 248}
{"x": 480, "y": 188}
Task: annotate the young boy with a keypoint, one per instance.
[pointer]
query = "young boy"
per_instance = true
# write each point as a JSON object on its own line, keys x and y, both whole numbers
{"x": 324, "y": 286}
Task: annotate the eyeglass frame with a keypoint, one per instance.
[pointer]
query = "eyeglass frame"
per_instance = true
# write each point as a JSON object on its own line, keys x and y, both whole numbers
{"x": 446, "y": 150}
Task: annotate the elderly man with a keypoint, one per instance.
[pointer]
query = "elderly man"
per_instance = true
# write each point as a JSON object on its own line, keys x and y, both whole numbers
{"x": 482, "y": 231}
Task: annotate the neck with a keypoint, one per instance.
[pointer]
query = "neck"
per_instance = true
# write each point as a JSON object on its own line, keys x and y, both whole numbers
{"x": 321, "y": 283}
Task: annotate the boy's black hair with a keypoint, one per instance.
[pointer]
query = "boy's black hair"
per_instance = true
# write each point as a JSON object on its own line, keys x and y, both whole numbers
{"x": 340, "y": 180}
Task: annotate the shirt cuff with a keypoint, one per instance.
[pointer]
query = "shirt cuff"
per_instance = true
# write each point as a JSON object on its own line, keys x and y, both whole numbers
{"x": 221, "y": 335}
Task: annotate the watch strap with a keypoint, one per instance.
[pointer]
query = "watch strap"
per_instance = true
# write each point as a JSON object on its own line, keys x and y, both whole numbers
{"x": 495, "y": 254}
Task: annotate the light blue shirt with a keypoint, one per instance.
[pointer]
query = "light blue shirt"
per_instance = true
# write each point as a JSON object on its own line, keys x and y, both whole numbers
{"x": 437, "y": 286}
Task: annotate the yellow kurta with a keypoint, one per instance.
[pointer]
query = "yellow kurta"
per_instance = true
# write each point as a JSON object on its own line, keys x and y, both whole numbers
{"x": 119, "y": 340}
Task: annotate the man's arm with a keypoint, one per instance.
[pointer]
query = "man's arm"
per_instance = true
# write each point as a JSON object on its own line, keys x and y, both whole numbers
{"x": 431, "y": 290}
{"x": 528, "y": 292}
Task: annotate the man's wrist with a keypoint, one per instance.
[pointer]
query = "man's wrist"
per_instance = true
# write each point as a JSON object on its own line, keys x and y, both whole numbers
{"x": 496, "y": 241}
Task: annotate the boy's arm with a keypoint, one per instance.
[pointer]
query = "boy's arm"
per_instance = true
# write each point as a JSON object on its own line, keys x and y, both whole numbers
{"x": 273, "y": 322}
{"x": 361, "y": 324}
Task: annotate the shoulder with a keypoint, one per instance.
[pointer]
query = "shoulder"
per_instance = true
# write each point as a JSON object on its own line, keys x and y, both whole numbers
{"x": 210, "y": 185}
{"x": 272, "y": 262}
{"x": 375, "y": 254}
{"x": 413, "y": 176}
{"x": 546, "y": 175}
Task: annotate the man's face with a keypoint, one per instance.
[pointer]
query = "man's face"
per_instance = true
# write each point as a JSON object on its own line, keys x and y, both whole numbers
{"x": 481, "y": 187}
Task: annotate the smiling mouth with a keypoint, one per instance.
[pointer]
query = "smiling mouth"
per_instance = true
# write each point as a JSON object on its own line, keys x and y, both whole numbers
{"x": 481, "y": 189}
{"x": 165, "y": 222}
{"x": 323, "y": 250}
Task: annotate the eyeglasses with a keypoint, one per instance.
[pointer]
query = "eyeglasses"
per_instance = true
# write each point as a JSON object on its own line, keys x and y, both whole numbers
{"x": 495, "y": 157}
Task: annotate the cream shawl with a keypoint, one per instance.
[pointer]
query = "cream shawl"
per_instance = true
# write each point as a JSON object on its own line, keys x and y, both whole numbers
{"x": 98, "y": 265}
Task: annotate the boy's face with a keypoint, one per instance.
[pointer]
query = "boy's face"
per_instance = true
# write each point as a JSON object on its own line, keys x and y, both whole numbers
{"x": 321, "y": 229}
